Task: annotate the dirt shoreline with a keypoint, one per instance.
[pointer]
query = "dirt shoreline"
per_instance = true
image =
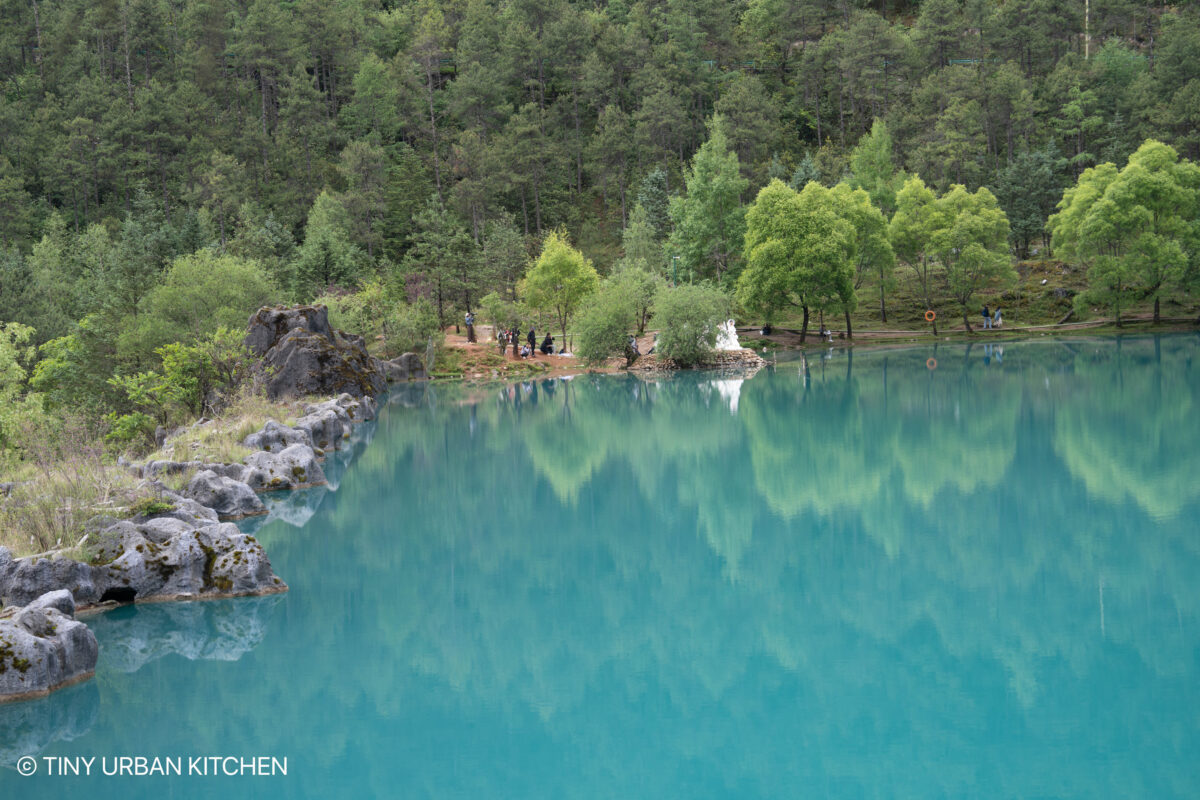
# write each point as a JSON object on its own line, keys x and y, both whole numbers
{"x": 515, "y": 368}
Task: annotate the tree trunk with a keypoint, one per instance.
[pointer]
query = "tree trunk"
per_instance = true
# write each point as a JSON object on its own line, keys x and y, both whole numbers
{"x": 804, "y": 327}
{"x": 967, "y": 322}
{"x": 882, "y": 306}
{"x": 849, "y": 330}
{"x": 1156, "y": 317}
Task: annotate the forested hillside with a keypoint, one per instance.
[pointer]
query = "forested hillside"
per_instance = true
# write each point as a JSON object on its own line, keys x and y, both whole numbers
{"x": 548, "y": 112}
{"x": 166, "y": 165}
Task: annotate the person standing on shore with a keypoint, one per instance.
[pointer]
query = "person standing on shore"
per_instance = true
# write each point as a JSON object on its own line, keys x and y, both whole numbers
{"x": 470, "y": 320}
{"x": 532, "y": 340}
{"x": 987, "y": 318}
{"x": 502, "y": 338}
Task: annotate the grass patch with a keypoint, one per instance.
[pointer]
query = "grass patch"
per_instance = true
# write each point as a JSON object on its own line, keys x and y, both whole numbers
{"x": 219, "y": 440}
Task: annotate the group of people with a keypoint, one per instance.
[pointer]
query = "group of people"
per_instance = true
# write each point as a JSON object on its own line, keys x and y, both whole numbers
{"x": 528, "y": 350}
{"x": 991, "y": 320}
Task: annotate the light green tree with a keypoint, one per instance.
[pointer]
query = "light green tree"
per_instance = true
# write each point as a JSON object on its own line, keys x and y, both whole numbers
{"x": 873, "y": 251}
{"x": 710, "y": 219}
{"x": 911, "y": 234}
{"x": 559, "y": 280}
{"x": 328, "y": 257}
{"x": 872, "y": 168}
{"x": 799, "y": 251}
{"x": 1134, "y": 229}
{"x": 15, "y": 352}
{"x": 971, "y": 242}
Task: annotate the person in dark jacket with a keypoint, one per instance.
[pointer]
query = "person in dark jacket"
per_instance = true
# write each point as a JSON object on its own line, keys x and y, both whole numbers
{"x": 987, "y": 318}
{"x": 532, "y": 340}
{"x": 548, "y": 345}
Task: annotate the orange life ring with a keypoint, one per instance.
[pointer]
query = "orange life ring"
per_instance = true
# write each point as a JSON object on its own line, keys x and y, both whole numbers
{"x": 930, "y": 315}
{"x": 931, "y": 363}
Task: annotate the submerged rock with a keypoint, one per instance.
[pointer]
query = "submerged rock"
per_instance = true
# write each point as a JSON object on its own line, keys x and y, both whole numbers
{"x": 43, "y": 648}
{"x": 302, "y": 354}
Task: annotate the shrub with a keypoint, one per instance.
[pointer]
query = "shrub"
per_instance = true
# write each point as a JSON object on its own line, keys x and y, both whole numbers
{"x": 688, "y": 317}
{"x": 608, "y": 316}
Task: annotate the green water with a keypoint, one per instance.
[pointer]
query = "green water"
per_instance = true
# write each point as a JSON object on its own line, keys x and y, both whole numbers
{"x": 846, "y": 577}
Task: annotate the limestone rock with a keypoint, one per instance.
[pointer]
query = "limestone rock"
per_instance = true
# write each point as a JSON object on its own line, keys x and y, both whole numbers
{"x": 274, "y": 437}
{"x": 154, "y": 469}
{"x": 292, "y": 468}
{"x": 163, "y": 558}
{"x": 24, "y": 580}
{"x": 230, "y": 498}
{"x": 302, "y": 354}
{"x": 406, "y": 367}
{"x": 324, "y": 426}
{"x": 43, "y": 647}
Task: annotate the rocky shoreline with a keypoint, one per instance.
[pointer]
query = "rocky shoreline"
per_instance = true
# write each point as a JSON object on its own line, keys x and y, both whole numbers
{"x": 721, "y": 360}
{"x": 187, "y": 548}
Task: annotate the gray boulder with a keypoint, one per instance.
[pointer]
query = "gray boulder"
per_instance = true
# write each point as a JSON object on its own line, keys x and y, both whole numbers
{"x": 230, "y": 498}
{"x": 231, "y": 471}
{"x": 43, "y": 648}
{"x": 275, "y": 437}
{"x": 185, "y": 509}
{"x": 302, "y": 354}
{"x": 155, "y": 469}
{"x": 294, "y": 467}
{"x": 163, "y": 558}
{"x": 406, "y": 367}
{"x": 324, "y": 426}
{"x": 23, "y": 580}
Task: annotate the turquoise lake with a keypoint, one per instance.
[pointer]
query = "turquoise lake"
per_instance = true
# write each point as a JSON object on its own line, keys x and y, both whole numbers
{"x": 962, "y": 572}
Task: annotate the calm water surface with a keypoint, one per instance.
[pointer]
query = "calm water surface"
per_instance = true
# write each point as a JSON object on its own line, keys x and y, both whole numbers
{"x": 846, "y": 577}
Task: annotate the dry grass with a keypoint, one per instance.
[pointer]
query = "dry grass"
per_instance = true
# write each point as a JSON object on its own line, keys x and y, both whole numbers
{"x": 65, "y": 480}
{"x": 220, "y": 439}
{"x": 68, "y": 476}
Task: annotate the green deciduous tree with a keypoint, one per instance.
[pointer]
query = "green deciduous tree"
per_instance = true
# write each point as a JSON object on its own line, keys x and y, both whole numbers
{"x": 605, "y": 321}
{"x": 911, "y": 233}
{"x": 559, "y": 280}
{"x": 1135, "y": 229}
{"x": 873, "y": 253}
{"x": 199, "y": 294}
{"x": 799, "y": 251}
{"x": 971, "y": 242}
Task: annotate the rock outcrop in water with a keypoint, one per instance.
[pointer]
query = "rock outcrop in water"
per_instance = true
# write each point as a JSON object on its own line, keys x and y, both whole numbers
{"x": 43, "y": 647}
{"x": 302, "y": 354}
{"x": 168, "y": 557}
{"x": 406, "y": 367}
